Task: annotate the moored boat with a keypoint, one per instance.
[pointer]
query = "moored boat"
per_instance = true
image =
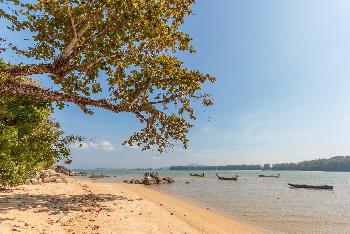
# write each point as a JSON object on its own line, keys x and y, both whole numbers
{"x": 198, "y": 175}
{"x": 329, "y": 187}
{"x": 274, "y": 176}
{"x": 226, "y": 178}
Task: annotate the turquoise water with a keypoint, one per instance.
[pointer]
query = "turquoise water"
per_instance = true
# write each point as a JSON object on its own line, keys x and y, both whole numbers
{"x": 266, "y": 202}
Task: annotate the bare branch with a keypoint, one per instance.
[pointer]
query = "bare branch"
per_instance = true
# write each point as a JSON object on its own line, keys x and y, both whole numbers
{"x": 70, "y": 46}
{"x": 69, "y": 11}
{"x": 140, "y": 92}
{"x": 93, "y": 38}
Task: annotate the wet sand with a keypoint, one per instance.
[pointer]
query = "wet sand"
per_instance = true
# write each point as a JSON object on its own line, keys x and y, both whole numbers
{"x": 88, "y": 207}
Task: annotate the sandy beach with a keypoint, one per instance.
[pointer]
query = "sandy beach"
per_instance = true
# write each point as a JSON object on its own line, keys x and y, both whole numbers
{"x": 88, "y": 207}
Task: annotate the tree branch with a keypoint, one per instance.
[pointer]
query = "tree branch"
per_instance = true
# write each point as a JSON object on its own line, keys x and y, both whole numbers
{"x": 140, "y": 92}
{"x": 60, "y": 67}
{"x": 27, "y": 90}
{"x": 92, "y": 38}
{"x": 69, "y": 11}
{"x": 70, "y": 46}
{"x": 26, "y": 70}
{"x": 102, "y": 58}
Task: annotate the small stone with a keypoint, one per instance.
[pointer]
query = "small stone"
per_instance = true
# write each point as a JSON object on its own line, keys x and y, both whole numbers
{"x": 73, "y": 173}
{"x": 51, "y": 172}
{"x": 34, "y": 181}
{"x": 163, "y": 182}
{"x": 44, "y": 175}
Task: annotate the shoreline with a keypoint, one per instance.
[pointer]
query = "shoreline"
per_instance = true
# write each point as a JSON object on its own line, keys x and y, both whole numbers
{"x": 85, "y": 206}
{"x": 181, "y": 208}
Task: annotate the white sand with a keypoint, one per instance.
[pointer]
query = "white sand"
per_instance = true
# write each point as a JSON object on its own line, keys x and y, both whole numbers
{"x": 88, "y": 207}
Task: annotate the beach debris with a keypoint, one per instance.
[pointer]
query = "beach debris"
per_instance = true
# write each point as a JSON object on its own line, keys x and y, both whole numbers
{"x": 150, "y": 179}
{"x": 95, "y": 227}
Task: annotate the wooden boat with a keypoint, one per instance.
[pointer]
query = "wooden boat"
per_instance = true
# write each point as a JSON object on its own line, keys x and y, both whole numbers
{"x": 225, "y": 178}
{"x": 274, "y": 176}
{"x": 198, "y": 175}
{"x": 311, "y": 186}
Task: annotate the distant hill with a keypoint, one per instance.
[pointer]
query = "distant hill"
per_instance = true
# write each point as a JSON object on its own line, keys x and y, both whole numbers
{"x": 337, "y": 163}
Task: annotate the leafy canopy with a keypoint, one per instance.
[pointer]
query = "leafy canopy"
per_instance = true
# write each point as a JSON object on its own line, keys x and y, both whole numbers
{"x": 123, "y": 50}
{"x": 29, "y": 139}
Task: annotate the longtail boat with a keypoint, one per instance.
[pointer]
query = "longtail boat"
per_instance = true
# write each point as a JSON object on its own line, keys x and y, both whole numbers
{"x": 225, "y": 178}
{"x": 198, "y": 175}
{"x": 329, "y": 187}
{"x": 274, "y": 176}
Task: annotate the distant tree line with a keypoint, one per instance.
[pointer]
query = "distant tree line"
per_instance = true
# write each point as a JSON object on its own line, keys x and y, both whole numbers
{"x": 338, "y": 163}
{"x": 208, "y": 168}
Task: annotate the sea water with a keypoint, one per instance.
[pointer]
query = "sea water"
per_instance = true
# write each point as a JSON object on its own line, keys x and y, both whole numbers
{"x": 266, "y": 202}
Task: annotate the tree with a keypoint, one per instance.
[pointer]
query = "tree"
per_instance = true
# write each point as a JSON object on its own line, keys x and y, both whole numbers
{"x": 124, "y": 50}
{"x": 267, "y": 166}
{"x": 29, "y": 139}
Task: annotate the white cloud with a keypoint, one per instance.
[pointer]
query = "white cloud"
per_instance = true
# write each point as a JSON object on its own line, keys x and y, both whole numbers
{"x": 132, "y": 147}
{"x": 100, "y": 145}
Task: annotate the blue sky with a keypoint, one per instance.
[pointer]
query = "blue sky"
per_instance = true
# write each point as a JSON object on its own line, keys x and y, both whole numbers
{"x": 282, "y": 90}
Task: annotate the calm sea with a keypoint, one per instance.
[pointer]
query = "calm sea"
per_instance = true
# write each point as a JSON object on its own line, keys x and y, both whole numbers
{"x": 265, "y": 202}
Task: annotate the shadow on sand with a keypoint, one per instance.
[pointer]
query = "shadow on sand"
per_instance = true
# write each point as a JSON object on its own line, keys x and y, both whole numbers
{"x": 55, "y": 204}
